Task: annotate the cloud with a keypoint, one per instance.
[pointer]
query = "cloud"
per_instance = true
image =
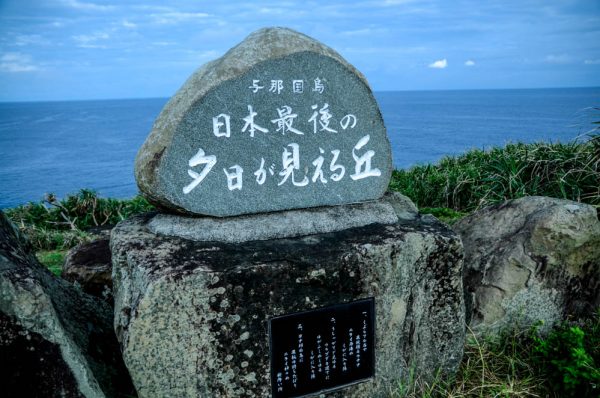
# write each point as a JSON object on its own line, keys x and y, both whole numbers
{"x": 273, "y": 10}
{"x": 370, "y": 31}
{"x": 91, "y": 41}
{"x": 80, "y": 5}
{"x": 592, "y": 62}
{"x": 557, "y": 59}
{"x": 175, "y": 17}
{"x": 163, "y": 43}
{"x": 395, "y": 2}
{"x": 25, "y": 40}
{"x": 129, "y": 25}
{"x": 469, "y": 63}
{"x": 439, "y": 64}
{"x": 17, "y": 62}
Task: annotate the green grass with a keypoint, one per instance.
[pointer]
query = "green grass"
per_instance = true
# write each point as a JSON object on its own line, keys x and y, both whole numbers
{"x": 443, "y": 213}
{"x": 521, "y": 364}
{"x": 53, "y": 259}
{"x": 53, "y": 224}
{"x": 480, "y": 178}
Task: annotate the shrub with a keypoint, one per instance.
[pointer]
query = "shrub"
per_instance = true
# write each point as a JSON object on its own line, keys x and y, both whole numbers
{"x": 61, "y": 224}
{"x": 479, "y": 178}
{"x": 569, "y": 359}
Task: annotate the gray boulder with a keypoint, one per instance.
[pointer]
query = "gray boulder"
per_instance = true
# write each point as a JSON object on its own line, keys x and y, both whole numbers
{"x": 55, "y": 341}
{"x": 229, "y": 140}
{"x": 192, "y": 315}
{"x": 530, "y": 259}
{"x": 89, "y": 266}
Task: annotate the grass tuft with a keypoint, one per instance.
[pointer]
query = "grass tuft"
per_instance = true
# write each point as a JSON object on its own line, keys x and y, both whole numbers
{"x": 53, "y": 260}
{"x": 480, "y": 178}
{"x": 62, "y": 224}
{"x": 565, "y": 363}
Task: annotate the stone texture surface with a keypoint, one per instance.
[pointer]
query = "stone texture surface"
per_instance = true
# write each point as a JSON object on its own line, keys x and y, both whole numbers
{"x": 276, "y": 225}
{"x": 185, "y": 126}
{"x": 89, "y": 266}
{"x": 530, "y": 259}
{"x": 55, "y": 341}
{"x": 192, "y": 317}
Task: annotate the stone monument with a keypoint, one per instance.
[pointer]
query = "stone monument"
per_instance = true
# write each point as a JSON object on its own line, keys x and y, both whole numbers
{"x": 276, "y": 265}
{"x": 279, "y": 122}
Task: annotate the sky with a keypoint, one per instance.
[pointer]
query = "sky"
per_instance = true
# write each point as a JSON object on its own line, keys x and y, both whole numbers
{"x": 100, "y": 49}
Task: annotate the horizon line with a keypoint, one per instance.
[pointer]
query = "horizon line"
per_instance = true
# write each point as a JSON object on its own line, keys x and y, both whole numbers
{"x": 374, "y": 91}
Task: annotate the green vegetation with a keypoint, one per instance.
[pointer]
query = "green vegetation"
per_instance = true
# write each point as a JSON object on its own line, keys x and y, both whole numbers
{"x": 570, "y": 359}
{"x": 52, "y": 259}
{"x": 563, "y": 364}
{"x": 480, "y": 178}
{"x": 443, "y": 213}
{"x": 54, "y": 224}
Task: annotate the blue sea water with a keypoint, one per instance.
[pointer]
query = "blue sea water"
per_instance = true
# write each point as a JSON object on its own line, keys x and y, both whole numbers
{"x": 60, "y": 147}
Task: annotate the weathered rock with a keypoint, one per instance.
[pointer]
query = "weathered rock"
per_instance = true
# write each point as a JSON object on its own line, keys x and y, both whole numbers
{"x": 331, "y": 134}
{"x": 55, "y": 341}
{"x": 530, "y": 259}
{"x": 89, "y": 265}
{"x": 192, "y": 316}
{"x": 276, "y": 225}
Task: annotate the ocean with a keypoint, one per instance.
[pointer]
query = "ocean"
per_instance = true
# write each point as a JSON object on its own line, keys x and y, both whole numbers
{"x": 60, "y": 147}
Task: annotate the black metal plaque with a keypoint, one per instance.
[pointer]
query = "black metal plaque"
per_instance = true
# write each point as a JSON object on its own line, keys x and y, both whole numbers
{"x": 323, "y": 349}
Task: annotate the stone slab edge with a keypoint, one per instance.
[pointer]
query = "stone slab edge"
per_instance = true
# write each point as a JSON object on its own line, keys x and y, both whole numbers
{"x": 285, "y": 224}
{"x": 262, "y": 45}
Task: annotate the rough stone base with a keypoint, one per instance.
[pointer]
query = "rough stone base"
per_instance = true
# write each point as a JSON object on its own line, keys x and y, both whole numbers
{"x": 192, "y": 317}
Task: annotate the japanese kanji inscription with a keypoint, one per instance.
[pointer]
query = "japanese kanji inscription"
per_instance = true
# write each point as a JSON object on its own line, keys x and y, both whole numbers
{"x": 322, "y": 349}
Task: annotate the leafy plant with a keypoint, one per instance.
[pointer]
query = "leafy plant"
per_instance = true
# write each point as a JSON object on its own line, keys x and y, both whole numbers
{"x": 569, "y": 358}
{"x": 520, "y": 363}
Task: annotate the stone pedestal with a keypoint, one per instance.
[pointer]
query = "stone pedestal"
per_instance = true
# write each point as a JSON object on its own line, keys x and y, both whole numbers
{"x": 192, "y": 314}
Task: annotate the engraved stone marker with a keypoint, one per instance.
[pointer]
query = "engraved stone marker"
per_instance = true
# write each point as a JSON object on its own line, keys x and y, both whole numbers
{"x": 279, "y": 122}
{"x": 322, "y": 350}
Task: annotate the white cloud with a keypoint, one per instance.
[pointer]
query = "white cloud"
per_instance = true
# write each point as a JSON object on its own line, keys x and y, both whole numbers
{"x": 439, "y": 64}
{"x": 357, "y": 32}
{"x": 147, "y": 7}
{"x": 272, "y": 10}
{"x": 17, "y": 62}
{"x": 396, "y": 2}
{"x": 177, "y": 17}
{"x": 25, "y": 40}
{"x": 592, "y": 62}
{"x": 388, "y": 51}
{"x": 80, "y": 5}
{"x": 469, "y": 62}
{"x": 557, "y": 59}
{"x": 91, "y": 41}
{"x": 129, "y": 25}
{"x": 163, "y": 43}
{"x": 365, "y": 31}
